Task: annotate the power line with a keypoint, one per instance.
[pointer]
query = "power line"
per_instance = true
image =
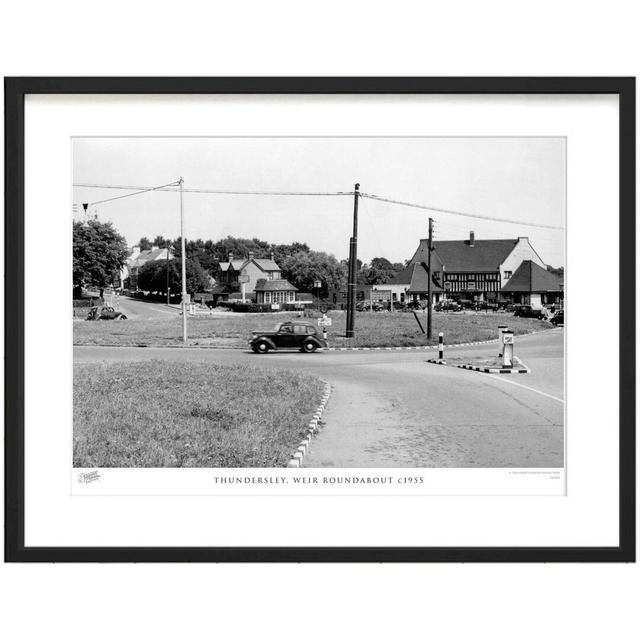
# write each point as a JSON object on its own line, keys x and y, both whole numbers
{"x": 458, "y": 213}
{"x": 128, "y": 195}
{"x": 371, "y": 196}
{"x": 214, "y": 191}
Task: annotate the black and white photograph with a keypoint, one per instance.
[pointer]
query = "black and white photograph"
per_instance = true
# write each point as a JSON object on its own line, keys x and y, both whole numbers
{"x": 328, "y": 303}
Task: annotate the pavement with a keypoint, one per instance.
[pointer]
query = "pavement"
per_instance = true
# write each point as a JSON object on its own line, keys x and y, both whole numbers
{"x": 394, "y": 409}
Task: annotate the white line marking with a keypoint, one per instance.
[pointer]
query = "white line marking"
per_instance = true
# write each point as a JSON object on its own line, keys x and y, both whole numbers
{"x": 524, "y": 386}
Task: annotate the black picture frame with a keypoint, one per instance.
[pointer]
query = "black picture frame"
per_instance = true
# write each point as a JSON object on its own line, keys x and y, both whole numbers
{"x": 15, "y": 91}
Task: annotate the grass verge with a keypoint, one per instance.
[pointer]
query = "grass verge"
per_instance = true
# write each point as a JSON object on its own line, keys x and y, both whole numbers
{"x": 372, "y": 329}
{"x": 165, "y": 414}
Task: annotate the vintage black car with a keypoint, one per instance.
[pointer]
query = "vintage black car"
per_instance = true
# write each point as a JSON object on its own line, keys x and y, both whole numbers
{"x": 105, "y": 313}
{"x": 527, "y": 311}
{"x": 558, "y": 318}
{"x": 447, "y": 305}
{"x": 288, "y": 335}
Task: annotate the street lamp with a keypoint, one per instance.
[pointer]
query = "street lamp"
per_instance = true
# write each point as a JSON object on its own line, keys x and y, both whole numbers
{"x": 317, "y": 285}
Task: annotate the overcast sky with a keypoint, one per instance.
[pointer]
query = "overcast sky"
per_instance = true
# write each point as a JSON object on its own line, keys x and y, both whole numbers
{"x": 521, "y": 179}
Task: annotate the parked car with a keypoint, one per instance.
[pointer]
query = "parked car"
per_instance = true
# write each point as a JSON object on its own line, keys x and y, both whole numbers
{"x": 467, "y": 304}
{"x": 367, "y": 305}
{"x": 447, "y": 305}
{"x": 527, "y": 311}
{"x": 105, "y": 313}
{"x": 288, "y": 335}
{"x": 486, "y": 306}
{"x": 415, "y": 305}
{"x": 558, "y": 318}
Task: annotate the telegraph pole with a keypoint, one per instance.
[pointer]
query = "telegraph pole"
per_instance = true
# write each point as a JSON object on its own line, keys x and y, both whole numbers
{"x": 429, "y": 310}
{"x": 184, "y": 267}
{"x": 353, "y": 259}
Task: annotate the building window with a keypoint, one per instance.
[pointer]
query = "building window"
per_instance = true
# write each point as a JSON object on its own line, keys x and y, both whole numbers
{"x": 436, "y": 275}
{"x": 507, "y": 274}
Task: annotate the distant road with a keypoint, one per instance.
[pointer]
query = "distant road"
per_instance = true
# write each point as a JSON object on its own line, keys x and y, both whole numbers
{"x": 394, "y": 409}
{"x": 139, "y": 309}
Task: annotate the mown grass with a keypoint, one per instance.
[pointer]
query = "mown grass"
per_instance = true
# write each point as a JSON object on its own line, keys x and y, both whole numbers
{"x": 165, "y": 414}
{"x": 372, "y": 329}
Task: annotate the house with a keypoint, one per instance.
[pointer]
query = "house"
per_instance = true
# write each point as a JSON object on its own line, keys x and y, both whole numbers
{"x": 241, "y": 276}
{"x": 274, "y": 291}
{"x": 531, "y": 284}
{"x": 138, "y": 259}
{"x": 466, "y": 269}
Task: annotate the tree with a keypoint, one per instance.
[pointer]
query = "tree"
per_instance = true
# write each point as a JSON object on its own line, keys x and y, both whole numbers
{"x": 144, "y": 244}
{"x": 99, "y": 253}
{"x": 302, "y": 269}
{"x": 380, "y": 271}
{"x": 161, "y": 242}
{"x": 559, "y": 271}
{"x": 153, "y": 276}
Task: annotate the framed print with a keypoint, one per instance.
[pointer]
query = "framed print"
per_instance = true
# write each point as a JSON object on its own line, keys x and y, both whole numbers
{"x": 320, "y": 319}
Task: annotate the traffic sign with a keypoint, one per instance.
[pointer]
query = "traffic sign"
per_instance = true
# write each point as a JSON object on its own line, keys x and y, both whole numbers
{"x": 324, "y": 322}
{"x": 243, "y": 278}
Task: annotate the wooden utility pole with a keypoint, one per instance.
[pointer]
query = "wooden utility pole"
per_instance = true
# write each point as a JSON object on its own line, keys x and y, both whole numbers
{"x": 184, "y": 268}
{"x": 353, "y": 260}
{"x": 430, "y": 249}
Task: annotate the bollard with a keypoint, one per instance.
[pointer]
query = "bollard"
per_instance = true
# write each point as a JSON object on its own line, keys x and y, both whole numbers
{"x": 441, "y": 346}
{"x": 324, "y": 333}
{"x": 507, "y": 349}
{"x": 501, "y": 328}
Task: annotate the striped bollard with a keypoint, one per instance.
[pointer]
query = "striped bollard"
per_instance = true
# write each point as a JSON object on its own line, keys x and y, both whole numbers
{"x": 501, "y": 328}
{"x": 441, "y": 346}
{"x": 507, "y": 351}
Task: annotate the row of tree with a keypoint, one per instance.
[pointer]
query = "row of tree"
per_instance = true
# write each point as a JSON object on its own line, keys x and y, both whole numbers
{"x": 300, "y": 265}
{"x": 100, "y": 252}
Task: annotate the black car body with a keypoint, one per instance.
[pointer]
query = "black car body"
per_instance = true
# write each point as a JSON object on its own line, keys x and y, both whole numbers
{"x": 527, "y": 311}
{"x": 105, "y": 313}
{"x": 288, "y": 335}
{"x": 558, "y": 318}
{"x": 447, "y": 305}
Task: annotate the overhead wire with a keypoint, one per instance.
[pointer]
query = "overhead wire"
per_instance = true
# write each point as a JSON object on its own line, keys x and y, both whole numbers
{"x": 128, "y": 195}
{"x": 172, "y": 187}
{"x": 217, "y": 191}
{"x": 457, "y": 213}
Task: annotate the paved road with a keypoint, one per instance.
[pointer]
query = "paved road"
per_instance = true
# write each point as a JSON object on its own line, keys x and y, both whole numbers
{"x": 394, "y": 409}
{"x": 138, "y": 309}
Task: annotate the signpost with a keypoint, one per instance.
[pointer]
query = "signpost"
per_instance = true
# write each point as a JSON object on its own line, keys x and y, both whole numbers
{"x": 243, "y": 279}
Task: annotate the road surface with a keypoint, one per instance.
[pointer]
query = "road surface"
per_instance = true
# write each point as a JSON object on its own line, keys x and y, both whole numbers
{"x": 394, "y": 409}
{"x": 139, "y": 309}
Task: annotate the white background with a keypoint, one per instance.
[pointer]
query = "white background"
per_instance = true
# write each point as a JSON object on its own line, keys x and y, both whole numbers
{"x": 587, "y": 516}
{"x": 489, "y": 38}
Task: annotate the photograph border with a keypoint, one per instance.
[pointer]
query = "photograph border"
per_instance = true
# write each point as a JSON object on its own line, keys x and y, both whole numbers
{"x": 15, "y": 91}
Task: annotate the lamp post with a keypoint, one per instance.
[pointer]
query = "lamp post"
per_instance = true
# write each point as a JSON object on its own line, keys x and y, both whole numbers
{"x": 317, "y": 285}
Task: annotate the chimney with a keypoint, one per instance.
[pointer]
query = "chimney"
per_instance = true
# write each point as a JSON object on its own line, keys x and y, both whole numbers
{"x": 472, "y": 238}
{"x": 250, "y": 255}
{"x": 273, "y": 256}
{"x": 230, "y": 256}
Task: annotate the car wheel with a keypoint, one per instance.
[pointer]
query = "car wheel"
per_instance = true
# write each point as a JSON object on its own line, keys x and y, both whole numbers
{"x": 309, "y": 347}
{"x": 261, "y": 347}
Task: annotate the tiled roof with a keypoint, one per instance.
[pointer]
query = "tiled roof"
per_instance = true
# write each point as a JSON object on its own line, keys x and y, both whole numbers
{"x": 266, "y": 264}
{"x": 237, "y": 265}
{"x": 532, "y": 278}
{"x": 460, "y": 256}
{"x": 262, "y": 284}
{"x": 420, "y": 279}
{"x": 150, "y": 254}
